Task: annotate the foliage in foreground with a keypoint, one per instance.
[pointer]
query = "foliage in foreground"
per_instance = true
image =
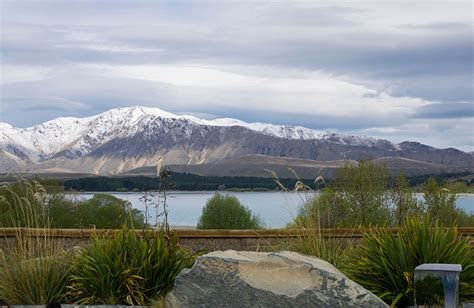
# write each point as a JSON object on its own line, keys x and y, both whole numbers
{"x": 22, "y": 204}
{"x": 128, "y": 269}
{"x": 226, "y": 212}
{"x": 311, "y": 241}
{"x": 384, "y": 263}
{"x": 32, "y": 276}
{"x": 35, "y": 270}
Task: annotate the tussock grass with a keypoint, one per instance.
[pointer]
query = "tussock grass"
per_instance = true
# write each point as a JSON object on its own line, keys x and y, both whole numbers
{"x": 34, "y": 269}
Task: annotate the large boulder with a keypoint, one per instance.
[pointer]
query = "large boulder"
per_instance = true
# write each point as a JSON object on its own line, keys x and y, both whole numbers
{"x": 255, "y": 279}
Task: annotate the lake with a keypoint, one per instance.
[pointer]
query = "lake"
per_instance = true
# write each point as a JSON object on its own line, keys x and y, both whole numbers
{"x": 276, "y": 209}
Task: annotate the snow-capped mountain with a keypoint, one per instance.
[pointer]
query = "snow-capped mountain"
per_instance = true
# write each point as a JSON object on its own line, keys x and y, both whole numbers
{"x": 126, "y": 138}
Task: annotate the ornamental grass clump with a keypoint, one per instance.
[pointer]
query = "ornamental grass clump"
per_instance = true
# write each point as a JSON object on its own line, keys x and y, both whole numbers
{"x": 34, "y": 269}
{"x": 33, "y": 279}
{"x": 385, "y": 262}
{"x": 128, "y": 269}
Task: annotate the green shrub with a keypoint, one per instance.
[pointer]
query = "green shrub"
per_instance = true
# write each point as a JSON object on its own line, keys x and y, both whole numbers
{"x": 27, "y": 203}
{"x": 361, "y": 194}
{"x": 226, "y": 212}
{"x": 108, "y": 212}
{"x": 127, "y": 269}
{"x": 441, "y": 203}
{"x": 384, "y": 263}
{"x": 326, "y": 210}
{"x": 404, "y": 201}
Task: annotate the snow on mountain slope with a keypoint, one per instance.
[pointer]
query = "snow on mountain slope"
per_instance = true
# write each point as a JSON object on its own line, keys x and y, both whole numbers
{"x": 44, "y": 139}
{"x": 123, "y": 139}
{"x": 76, "y": 137}
{"x": 79, "y": 136}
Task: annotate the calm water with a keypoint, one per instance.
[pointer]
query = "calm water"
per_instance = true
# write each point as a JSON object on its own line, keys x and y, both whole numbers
{"x": 276, "y": 209}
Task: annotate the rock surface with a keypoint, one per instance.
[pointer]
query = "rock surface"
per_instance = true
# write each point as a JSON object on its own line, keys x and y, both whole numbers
{"x": 252, "y": 279}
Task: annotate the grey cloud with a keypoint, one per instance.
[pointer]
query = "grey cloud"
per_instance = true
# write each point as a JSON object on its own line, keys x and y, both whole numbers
{"x": 420, "y": 66}
{"x": 446, "y": 111}
{"x": 438, "y": 26}
{"x": 431, "y": 59}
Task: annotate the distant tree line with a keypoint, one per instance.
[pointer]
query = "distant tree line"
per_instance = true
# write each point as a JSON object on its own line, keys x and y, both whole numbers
{"x": 178, "y": 181}
{"x": 192, "y": 182}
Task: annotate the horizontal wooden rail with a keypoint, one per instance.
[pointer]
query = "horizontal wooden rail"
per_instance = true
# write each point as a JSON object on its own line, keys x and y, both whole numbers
{"x": 191, "y": 233}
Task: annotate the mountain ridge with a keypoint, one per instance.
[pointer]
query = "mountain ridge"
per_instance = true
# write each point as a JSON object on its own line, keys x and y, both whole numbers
{"x": 124, "y": 139}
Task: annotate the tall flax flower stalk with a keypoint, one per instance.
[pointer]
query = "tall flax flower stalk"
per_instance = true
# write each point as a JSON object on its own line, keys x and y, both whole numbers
{"x": 163, "y": 174}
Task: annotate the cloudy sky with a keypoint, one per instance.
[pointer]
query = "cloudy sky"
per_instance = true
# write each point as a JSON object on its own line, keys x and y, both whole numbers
{"x": 400, "y": 70}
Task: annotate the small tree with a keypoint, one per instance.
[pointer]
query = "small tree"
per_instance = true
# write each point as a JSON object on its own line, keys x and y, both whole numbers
{"x": 226, "y": 212}
{"x": 361, "y": 191}
{"x": 404, "y": 201}
{"x": 440, "y": 203}
{"x": 326, "y": 210}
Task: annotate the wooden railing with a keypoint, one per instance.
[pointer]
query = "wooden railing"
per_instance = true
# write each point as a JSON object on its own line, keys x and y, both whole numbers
{"x": 192, "y": 233}
{"x": 252, "y": 240}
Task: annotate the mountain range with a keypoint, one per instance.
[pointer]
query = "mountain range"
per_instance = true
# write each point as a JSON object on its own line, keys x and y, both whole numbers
{"x": 132, "y": 140}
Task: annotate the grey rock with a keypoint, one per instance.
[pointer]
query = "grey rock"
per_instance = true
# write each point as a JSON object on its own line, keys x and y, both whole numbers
{"x": 280, "y": 279}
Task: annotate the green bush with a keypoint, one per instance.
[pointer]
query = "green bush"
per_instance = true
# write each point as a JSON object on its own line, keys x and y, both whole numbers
{"x": 361, "y": 194}
{"x": 226, "y": 212}
{"x": 27, "y": 203}
{"x": 404, "y": 201}
{"x": 107, "y": 212}
{"x": 127, "y": 269}
{"x": 441, "y": 203}
{"x": 326, "y": 210}
{"x": 385, "y": 262}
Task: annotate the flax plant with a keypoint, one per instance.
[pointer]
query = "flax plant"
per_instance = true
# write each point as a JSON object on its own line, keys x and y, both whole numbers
{"x": 128, "y": 269}
{"x": 384, "y": 263}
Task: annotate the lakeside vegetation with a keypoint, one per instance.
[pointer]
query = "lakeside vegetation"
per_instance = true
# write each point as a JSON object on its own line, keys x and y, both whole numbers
{"x": 363, "y": 195}
{"x": 53, "y": 209}
{"x": 147, "y": 261}
{"x": 130, "y": 267}
{"x": 366, "y": 196}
